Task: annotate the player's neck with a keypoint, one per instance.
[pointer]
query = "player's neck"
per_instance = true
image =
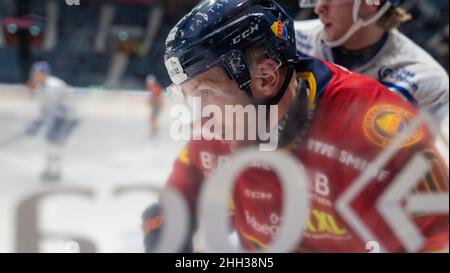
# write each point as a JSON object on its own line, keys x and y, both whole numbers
{"x": 364, "y": 38}
{"x": 283, "y": 107}
{"x": 285, "y": 102}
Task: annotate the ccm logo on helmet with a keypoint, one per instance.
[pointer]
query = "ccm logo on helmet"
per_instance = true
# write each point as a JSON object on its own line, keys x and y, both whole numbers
{"x": 245, "y": 34}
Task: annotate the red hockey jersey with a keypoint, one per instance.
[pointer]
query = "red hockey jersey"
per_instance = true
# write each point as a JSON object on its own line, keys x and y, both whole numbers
{"x": 355, "y": 118}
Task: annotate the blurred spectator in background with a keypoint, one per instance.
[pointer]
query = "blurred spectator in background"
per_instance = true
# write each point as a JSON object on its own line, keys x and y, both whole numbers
{"x": 57, "y": 115}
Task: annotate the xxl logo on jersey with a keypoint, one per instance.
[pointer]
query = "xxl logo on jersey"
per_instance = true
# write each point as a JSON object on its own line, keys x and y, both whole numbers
{"x": 322, "y": 222}
{"x": 320, "y": 225}
{"x": 384, "y": 122}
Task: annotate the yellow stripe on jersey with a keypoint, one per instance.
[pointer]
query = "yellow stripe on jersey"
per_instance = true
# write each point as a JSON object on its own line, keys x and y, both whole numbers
{"x": 427, "y": 186}
{"x": 254, "y": 241}
{"x": 309, "y": 77}
{"x": 303, "y": 249}
{"x": 184, "y": 156}
{"x": 436, "y": 178}
{"x": 231, "y": 204}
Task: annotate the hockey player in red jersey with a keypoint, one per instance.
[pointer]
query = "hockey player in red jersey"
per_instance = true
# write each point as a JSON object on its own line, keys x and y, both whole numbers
{"x": 155, "y": 102}
{"x": 332, "y": 121}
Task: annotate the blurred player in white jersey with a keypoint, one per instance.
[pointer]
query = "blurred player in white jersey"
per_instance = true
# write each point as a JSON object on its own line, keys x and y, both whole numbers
{"x": 57, "y": 115}
{"x": 362, "y": 36}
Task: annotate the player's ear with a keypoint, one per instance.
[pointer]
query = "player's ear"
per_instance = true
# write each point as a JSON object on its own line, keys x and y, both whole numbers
{"x": 266, "y": 78}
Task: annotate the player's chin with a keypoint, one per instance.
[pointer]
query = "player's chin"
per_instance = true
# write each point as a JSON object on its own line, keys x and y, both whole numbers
{"x": 333, "y": 32}
{"x": 330, "y": 35}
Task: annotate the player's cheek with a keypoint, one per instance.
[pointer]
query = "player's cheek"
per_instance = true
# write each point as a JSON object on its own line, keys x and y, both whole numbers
{"x": 338, "y": 30}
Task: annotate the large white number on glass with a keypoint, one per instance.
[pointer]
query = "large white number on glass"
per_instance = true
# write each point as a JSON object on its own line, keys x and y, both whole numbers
{"x": 215, "y": 195}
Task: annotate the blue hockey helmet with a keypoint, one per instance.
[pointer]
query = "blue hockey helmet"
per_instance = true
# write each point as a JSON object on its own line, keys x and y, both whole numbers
{"x": 41, "y": 66}
{"x": 219, "y": 32}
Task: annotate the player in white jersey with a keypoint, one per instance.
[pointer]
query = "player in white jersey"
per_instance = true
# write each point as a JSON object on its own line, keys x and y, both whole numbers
{"x": 57, "y": 115}
{"x": 362, "y": 36}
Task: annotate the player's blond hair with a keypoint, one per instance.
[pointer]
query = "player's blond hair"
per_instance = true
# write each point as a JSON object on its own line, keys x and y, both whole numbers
{"x": 393, "y": 18}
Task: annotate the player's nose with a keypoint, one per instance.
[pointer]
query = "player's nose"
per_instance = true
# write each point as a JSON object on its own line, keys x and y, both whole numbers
{"x": 321, "y": 7}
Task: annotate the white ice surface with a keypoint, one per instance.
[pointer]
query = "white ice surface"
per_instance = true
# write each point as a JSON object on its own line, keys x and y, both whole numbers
{"x": 110, "y": 149}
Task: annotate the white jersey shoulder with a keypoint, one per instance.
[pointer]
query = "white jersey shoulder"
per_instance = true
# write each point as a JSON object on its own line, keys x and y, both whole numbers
{"x": 308, "y": 37}
{"x": 56, "y": 99}
{"x": 54, "y": 82}
{"x": 401, "y": 65}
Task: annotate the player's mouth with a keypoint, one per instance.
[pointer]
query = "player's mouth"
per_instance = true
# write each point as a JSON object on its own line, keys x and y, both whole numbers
{"x": 326, "y": 23}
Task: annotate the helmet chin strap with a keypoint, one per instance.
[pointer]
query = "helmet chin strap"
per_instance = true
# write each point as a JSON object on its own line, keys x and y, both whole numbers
{"x": 358, "y": 23}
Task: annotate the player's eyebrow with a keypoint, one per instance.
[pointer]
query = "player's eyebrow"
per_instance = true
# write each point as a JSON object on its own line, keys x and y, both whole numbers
{"x": 196, "y": 86}
{"x": 208, "y": 81}
{"x": 194, "y": 89}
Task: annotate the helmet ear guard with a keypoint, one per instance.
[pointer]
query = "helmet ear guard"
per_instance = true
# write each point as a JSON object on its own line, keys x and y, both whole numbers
{"x": 236, "y": 65}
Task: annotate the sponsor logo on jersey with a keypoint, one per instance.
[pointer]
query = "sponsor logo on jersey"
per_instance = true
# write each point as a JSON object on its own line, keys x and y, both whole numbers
{"x": 272, "y": 228}
{"x": 258, "y": 195}
{"x": 210, "y": 161}
{"x": 320, "y": 225}
{"x": 398, "y": 75}
{"x": 280, "y": 30}
{"x": 323, "y": 222}
{"x": 345, "y": 157}
{"x": 384, "y": 122}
